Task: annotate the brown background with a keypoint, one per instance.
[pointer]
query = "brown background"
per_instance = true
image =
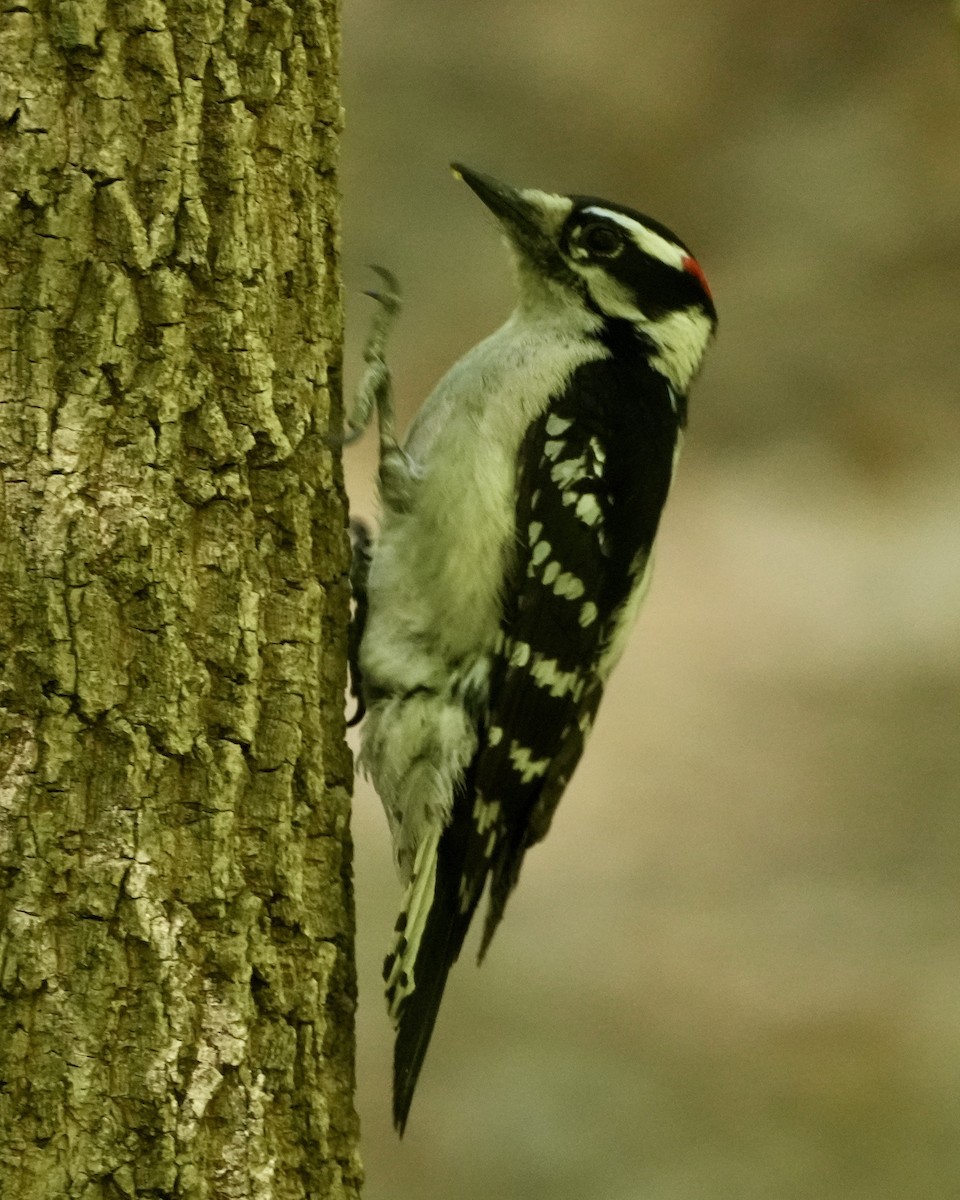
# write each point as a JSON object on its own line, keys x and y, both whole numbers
{"x": 733, "y": 970}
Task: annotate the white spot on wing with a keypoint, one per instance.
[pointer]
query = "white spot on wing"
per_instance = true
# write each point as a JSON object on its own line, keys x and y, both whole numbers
{"x": 557, "y": 425}
{"x": 588, "y": 510}
{"x": 520, "y": 654}
{"x": 527, "y": 768}
{"x": 547, "y": 674}
{"x": 568, "y": 586}
{"x": 588, "y": 614}
{"x": 568, "y": 471}
{"x": 485, "y": 813}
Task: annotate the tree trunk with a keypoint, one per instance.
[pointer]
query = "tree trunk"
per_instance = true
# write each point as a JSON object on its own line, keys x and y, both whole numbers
{"x": 176, "y": 927}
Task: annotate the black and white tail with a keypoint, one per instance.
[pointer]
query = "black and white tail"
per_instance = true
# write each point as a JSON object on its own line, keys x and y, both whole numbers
{"x": 437, "y": 909}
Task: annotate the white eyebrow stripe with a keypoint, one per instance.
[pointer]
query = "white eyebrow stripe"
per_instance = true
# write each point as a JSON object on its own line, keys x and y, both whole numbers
{"x": 648, "y": 241}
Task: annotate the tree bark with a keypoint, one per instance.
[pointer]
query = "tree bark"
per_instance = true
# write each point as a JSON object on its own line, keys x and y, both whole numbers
{"x": 177, "y": 986}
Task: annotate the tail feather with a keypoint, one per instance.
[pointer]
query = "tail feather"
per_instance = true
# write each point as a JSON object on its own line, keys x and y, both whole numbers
{"x": 430, "y": 932}
{"x": 399, "y": 966}
{"x": 506, "y": 873}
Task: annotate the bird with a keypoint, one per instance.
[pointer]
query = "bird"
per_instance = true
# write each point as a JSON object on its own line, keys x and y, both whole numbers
{"x": 515, "y": 547}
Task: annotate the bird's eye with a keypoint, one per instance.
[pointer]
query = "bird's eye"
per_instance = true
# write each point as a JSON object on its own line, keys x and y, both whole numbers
{"x": 601, "y": 240}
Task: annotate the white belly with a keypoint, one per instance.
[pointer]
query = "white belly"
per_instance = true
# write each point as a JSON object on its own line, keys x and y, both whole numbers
{"x": 438, "y": 569}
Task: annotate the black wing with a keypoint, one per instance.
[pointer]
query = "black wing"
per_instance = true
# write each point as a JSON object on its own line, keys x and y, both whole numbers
{"x": 593, "y": 475}
{"x": 593, "y": 480}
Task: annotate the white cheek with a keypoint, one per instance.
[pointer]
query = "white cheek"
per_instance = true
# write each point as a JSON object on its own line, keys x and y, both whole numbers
{"x": 681, "y": 339}
{"x": 611, "y": 297}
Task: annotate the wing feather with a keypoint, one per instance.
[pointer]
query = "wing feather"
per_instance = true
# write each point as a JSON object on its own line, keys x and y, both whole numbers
{"x": 592, "y": 478}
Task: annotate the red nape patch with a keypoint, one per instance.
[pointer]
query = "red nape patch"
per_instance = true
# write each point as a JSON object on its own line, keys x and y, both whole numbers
{"x": 691, "y": 265}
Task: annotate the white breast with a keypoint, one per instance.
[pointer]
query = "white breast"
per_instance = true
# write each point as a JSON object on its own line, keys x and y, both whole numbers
{"x": 437, "y": 572}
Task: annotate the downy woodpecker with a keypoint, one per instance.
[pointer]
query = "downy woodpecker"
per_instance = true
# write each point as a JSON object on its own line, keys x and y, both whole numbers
{"x": 514, "y": 551}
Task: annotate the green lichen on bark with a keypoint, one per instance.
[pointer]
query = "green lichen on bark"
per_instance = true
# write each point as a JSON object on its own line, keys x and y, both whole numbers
{"x": 176, "y": 978}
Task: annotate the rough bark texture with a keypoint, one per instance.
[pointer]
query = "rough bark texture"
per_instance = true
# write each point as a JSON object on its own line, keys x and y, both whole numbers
{"x": 176, "y": 978}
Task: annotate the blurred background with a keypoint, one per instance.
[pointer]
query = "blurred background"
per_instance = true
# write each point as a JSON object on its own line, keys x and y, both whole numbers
{"x": 733, "y": 969}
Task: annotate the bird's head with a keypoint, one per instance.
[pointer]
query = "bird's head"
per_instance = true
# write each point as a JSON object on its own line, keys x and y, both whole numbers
{"x": 615, "y": 262}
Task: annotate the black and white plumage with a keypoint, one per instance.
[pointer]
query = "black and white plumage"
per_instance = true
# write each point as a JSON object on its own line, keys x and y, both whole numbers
{"x": 514, "y": 551}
